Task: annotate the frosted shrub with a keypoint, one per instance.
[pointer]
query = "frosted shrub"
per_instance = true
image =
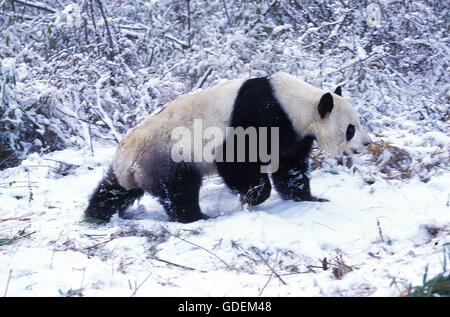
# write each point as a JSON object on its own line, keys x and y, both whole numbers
{"x": 95, "y": 68}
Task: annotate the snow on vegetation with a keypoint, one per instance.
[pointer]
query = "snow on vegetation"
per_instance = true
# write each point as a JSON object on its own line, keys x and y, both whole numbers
{"x": 76, "y": 75}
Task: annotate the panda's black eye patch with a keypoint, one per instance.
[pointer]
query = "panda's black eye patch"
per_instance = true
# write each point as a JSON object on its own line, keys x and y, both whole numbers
{"x": 350, "y": 132}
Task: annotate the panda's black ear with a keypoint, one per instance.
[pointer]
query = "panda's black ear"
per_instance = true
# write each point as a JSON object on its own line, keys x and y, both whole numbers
{"x": 325, "y": 105}
{"x": 338, "y": 91}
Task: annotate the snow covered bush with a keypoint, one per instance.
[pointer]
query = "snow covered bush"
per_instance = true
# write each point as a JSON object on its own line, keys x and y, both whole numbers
{"x": 92, "y": 69}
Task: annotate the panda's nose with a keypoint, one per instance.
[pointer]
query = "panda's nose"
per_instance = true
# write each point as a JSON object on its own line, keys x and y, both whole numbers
{"x": 367, "y": 141}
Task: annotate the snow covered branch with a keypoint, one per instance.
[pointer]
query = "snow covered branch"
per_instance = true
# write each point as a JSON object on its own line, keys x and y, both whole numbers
{"x": 36, "y": 5}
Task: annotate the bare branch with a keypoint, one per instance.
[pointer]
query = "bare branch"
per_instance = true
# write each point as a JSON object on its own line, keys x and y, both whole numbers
{"x": 177, "y": 265}
{"x": 203, "y": 79}
{"x": 36, "y": 5}
{"x": 182, "y": 43}
{"x": 198, "y": 246}
{"x": 271, "y": 268}
{"x": 226, "y": 12}
{"x": 107, "y": 29}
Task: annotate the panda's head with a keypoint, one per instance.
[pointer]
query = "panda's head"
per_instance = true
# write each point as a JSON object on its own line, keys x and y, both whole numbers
{"x": 337, "y": 127}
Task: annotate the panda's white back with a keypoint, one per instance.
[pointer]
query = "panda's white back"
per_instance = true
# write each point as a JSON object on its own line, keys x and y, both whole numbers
{"x": 152, "y": 137}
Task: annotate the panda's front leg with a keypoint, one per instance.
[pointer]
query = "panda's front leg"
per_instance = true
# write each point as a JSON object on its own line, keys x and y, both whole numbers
{"x": 246, "y": 180}
{"x": 291, "y": 180}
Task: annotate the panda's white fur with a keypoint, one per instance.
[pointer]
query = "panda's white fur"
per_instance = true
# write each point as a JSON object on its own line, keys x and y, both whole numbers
{"x": 213, "y": 106}
{"x": 152, "y": 137}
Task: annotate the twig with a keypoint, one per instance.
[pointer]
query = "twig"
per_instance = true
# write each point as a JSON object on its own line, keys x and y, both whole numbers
{"x": 198, "y": 246}
{"x": 59, "y": 53}
{"x": 172, "y": 38}
{"x": 82, "y": 278}
{"x": 84, "y": 120}
{"x": 100, "y": 243}
{"x": 107, "y": 28}
{"x": 15, "y": 218}
{"x": 17, "y": 237}
{"x": 36, "y": 6}
{"x": 90, "y": 139}
{"x": 137, "y": 287}
{"x": 203, "y": 79}
{"x": 26, "y": 235}
{"x": 151, "y": 57}
{"x": 264, "y": 287}
{"x": 41, "y": 165}
{"x": 273, "y": 271}
{"x": 379, "y": 230}
{"x": 293, "y": 273}
{"x": 91, "y": 11}
{"x": 188, "y": 3}
{"x": 226, "y": 12}
{"x": 24, "y": 186}
{"x": 310, "y": 268}
{"x": 13, "y": 182}
{"x": 325, "y": 226}
{"x": 30, "y": 189}
{"x": 249, "y": 199}
{"x": 324, "y": 264}
{"x": 101, "y": 112}
{"x": 306, "y": 13}
{"x": 177, "y": 265}
{"x": 351, "y": 64}
{"x": 60, "y": 162}
{"x": 7, "y": 283}
{"x": 13, "y": 153}
{"x": 271, "y": 6}
{"x": 134, "y": 28}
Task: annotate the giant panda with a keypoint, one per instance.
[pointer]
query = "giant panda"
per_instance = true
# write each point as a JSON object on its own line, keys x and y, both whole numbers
{"x": 301, "y": 112}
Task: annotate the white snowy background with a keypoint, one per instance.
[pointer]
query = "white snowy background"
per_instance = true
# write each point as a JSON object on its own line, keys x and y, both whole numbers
{"x": 75, "y": 76}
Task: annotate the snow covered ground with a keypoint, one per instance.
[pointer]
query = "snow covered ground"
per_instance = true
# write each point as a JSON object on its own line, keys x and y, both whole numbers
{"x": 369, "y": 240}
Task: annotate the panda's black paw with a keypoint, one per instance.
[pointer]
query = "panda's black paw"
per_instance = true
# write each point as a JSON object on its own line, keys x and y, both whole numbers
{"x": 94, "y": 215}
{"x": 206, "y": 217}
{"x": 126, "y": 215}
{"x": 312, "y": 198}
{"x": 318, "y": 199}
{"x": 188, "y": 218}
{"x": 94, "y": 220}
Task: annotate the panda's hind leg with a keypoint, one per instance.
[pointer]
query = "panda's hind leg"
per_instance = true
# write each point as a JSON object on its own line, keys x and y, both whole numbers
{"x": 109, "y": 197}
{"x": 178, "y": 192}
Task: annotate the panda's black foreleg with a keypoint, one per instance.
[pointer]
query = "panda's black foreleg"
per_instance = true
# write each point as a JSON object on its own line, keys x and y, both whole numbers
{"x": 291, "y": 180}
{"x": 178, "y": 191}
{"x": 246, "y": 180}
{"x": 109, "y": 197}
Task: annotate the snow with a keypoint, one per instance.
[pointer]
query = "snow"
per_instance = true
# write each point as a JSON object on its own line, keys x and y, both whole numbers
{"x": 70, "y": 16}
{"x": 8, "y": 69}
{"x": 378, "y": 230}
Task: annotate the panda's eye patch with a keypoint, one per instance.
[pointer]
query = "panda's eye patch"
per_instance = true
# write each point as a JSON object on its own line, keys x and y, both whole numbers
{"x": 350, "y": 132}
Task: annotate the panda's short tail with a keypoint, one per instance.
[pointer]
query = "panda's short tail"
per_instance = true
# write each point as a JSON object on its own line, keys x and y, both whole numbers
{"x": 109, "y": 197}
